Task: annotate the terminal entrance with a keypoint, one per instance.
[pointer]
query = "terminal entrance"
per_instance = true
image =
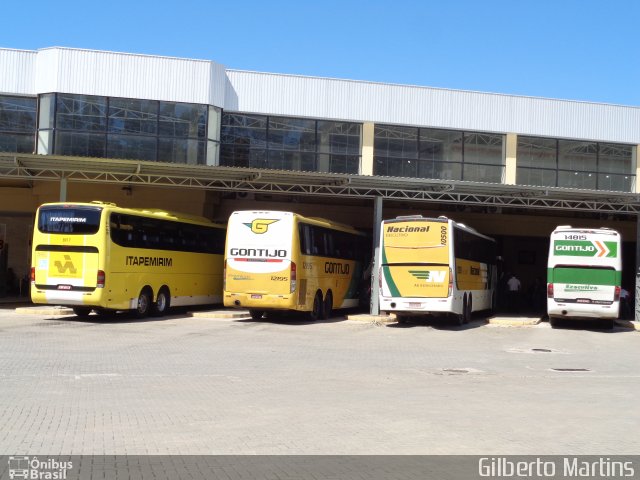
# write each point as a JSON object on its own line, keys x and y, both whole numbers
{"x": 519, "y": 218}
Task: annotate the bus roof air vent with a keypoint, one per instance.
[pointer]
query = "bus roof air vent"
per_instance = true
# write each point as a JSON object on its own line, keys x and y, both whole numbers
{"x": 99, "y": 202}
{"x": 408, "y": 217}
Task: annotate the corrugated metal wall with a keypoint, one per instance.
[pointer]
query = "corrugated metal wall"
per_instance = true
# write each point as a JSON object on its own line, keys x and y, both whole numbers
{"x": 201, "y": 81}
{"x": 17, "y": 71}
{"x": 125, "y": 75}
{"x": 432, "y": 107}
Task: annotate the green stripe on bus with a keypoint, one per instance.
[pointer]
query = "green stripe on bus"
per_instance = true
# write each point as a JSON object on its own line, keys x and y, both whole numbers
{"x": 587, "y": 276}
{"x": 387, "y": 276}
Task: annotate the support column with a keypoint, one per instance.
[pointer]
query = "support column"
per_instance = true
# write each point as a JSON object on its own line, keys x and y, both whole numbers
{"x": 366, "y": 164}
{"x": 636, "y": 168}
{"x": 63, "y": 189}
{"x": 637, "y": 295}
{"x": 510, "y": 159}
{"x": 374, "y": 303}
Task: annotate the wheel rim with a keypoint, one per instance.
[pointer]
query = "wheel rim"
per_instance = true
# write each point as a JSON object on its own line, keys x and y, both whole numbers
{"x": 161, "y": 303}
{"x": 143, "y": 303}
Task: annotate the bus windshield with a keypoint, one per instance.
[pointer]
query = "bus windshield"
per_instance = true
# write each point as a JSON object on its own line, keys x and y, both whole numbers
{"x": 73, "y": 220}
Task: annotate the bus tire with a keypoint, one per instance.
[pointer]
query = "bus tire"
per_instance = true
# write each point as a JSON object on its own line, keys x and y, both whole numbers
{"x": 468, "y": 310}
{"x": 461, "y": 317}
{"x": 553, "y": 321}
{"x": 256, "y": 314}
{"x": 328, "y": 305}
{"x": 163, "y": 301}
{"x": 144, "y": 303}
{"x": 316, "y": 310}
{"x": 105, "y": 312}
{"x": 82, "y": 312}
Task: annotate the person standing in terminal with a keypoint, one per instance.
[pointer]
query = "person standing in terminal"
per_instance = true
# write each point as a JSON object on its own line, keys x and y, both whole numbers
{"x": 513, "y": 293}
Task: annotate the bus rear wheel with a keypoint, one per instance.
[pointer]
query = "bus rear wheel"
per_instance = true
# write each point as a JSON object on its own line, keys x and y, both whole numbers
{"x": 161, "y": 307}
{"x": 316, "y": 312}
{"x": 468, "y": 310}
{"x": 144, "y": 303}
{"x": 256, "y": 314}
{"x": 328, "y": 305}
{"x": 82, "y": 312}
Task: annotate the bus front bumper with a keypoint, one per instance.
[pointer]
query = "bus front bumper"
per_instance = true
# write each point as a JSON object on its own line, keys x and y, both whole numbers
{"x": 260, "y": 301}
{"x": 582, "y": 310}
{"x": 417, "y": 305}
{"x": 93, "y": 298}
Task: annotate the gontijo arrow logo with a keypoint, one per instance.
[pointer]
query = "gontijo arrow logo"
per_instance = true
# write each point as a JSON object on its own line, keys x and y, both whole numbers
{"x": 260, "y": 225}
{"x": 585, "y": 248}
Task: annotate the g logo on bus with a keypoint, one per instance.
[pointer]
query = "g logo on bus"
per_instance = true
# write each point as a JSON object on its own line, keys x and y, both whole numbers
{"x": 68, "y": 265}
{"x": 260, "y": 225}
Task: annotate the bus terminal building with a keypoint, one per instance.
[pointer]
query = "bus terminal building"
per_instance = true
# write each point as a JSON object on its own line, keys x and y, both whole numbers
{"x": 196, "y": 137}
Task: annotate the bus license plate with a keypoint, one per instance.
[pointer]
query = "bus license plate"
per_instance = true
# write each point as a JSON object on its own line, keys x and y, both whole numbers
{"x": 256, "y": 297}
{"x": 64, "y": 287}
{"x": 415, "y": 305}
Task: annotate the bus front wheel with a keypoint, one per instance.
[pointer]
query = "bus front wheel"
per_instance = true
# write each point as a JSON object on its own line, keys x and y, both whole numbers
{"x": 144, "y": 303}
{"x": 162, "y": 302}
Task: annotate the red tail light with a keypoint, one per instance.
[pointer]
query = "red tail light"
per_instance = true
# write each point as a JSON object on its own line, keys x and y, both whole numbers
{"x": 101, "y": 279}
{"x": 33, "y": 274}
{"x": 294, "y": 277}
{"x": 450, "y": 282}
{"x": 550, "y": 290}
{"x": 616, "y": 294}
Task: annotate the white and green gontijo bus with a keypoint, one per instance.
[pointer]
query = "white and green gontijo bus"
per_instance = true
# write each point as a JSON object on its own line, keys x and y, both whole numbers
{"x": 435, "y": 266}
{"x": 584, "y": 274}
{"x": 98, "y": 256}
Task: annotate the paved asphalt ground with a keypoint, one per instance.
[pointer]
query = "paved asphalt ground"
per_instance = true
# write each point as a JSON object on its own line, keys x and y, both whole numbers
{"x": 183, "y": 385}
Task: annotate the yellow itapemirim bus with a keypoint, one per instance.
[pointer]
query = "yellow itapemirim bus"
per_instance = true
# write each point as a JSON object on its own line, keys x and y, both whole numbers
{"x": 435, "y": 266}
{"x": 284, "y": 261}
{"x": 98, "y": 256}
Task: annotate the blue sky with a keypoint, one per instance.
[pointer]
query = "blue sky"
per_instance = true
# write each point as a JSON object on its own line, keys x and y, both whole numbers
{"x": 573, "y": 49}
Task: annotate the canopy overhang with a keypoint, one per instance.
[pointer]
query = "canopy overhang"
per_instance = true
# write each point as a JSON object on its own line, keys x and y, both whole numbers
{"x": 34, "y": 168}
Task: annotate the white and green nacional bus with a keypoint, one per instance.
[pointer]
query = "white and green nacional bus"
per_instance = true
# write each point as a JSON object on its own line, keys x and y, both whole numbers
{"x": 584, "y": 274}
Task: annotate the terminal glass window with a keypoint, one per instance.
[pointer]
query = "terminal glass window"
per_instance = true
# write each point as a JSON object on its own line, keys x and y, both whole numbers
{"x": 284, "y": 143}
{"x": 123, "y": 128}
{"x": 574, "y": 164}
{"x": 437, "y": 153}
{"x": 17, "y": 124}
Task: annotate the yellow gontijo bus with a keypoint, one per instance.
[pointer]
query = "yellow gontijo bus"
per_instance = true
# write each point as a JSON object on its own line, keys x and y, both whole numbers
{"x": 435, "y": 265}
{"x": 284, "y": 261}
{"x": 98, "y": 256}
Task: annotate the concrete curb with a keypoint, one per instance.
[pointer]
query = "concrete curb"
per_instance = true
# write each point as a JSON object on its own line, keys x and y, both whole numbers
{"x": 629, "y": 324}
{"x": 514, "y": 322}
{"x": 45, "y": 310}
{"x": 221, "y": 314}
{"x": 377, "y": 319}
